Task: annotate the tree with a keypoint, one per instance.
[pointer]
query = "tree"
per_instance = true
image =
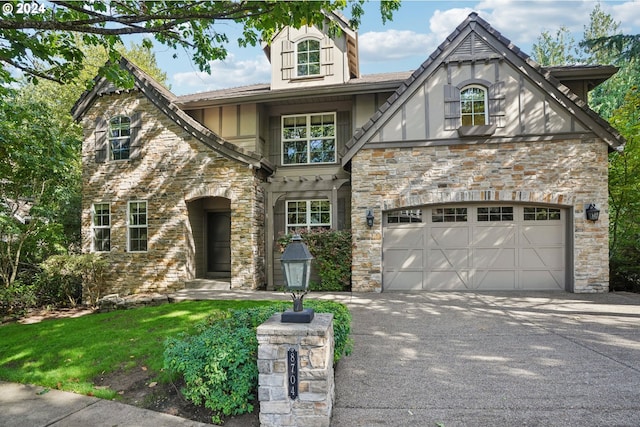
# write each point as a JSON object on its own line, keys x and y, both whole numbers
{"x": 41, "y": 41}
{"x": 36, "y": 164}
{"x": 560, "y": 49}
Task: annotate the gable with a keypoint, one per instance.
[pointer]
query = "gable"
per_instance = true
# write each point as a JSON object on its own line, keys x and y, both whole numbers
{"x": 521, "y": 100}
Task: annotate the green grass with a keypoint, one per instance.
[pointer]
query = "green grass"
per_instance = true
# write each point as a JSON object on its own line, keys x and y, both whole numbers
{"x": 67, "y": 354}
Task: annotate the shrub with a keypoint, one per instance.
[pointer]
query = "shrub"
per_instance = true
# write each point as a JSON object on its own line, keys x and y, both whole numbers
{"x": 219, "y": 363}
{"x": 332, "y": 257}
{"x": 72, "y": 277}
{"x": 17, "y": 298}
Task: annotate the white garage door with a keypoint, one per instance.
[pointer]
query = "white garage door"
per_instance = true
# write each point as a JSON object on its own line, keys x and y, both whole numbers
{"x": 479, "y": 247}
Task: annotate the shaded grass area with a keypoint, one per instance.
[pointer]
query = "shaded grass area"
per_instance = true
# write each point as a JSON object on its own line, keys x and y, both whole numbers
{"x": 67, "y": 354}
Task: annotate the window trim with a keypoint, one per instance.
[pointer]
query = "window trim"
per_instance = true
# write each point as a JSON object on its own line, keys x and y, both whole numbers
{"x": 111, "y": 139}
{"x": 130, "y": 227}
{"x": 307, "y": 64}
{"x": 94, "y": 227}
{"x": 308, "y": 225}
{"x": 308, "y": 138}
{"x": 485, "y": 101}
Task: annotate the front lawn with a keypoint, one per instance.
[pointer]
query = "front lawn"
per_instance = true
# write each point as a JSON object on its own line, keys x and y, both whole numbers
{"x": 67, "y": 354}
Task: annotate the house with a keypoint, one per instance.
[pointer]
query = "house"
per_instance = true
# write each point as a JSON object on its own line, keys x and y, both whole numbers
{"x": 477, "y": 168}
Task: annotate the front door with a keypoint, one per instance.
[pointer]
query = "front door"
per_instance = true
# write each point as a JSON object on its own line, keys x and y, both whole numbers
{"x": 218, "y": 244}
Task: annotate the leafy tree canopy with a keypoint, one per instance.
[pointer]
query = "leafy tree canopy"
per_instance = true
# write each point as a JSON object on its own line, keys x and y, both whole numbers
{"x": 41, "y": 41}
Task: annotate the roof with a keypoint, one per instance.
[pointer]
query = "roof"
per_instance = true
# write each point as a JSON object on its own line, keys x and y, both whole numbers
{"x": 165, "y": 101}
{"x": 263, "y": 93}
{"x": 543, "y": 77}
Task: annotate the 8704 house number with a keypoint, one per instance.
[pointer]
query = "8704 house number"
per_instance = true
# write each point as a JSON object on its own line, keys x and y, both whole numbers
{"x": 292, "y": 373}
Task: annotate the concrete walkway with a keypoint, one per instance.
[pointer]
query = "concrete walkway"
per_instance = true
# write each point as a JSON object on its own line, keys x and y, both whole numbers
{"x": 439, "y": 359}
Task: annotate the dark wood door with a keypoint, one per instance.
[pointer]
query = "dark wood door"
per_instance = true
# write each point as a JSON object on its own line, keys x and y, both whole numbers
{"x": 218, "y": 242}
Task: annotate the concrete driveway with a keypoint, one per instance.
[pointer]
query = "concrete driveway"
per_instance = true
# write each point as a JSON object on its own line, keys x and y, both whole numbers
{"x": 491, "y": 359}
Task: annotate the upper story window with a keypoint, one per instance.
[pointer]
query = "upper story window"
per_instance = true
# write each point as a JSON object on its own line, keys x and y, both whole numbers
{"x": 120, "y": 138}
{"x": 308, "y": 58}
{"x": 473, "y": 106}
{"x": 309, "y": 138}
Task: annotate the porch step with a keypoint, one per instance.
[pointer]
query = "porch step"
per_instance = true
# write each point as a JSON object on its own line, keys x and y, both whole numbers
{"x": 209, "y": 284}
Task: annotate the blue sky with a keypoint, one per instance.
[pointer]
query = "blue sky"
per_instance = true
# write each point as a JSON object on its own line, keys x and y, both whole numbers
{"x": 404, "y": 43}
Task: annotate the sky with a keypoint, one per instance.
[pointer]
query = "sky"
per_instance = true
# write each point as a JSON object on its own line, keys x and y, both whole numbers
{"x": 405, "y": 42}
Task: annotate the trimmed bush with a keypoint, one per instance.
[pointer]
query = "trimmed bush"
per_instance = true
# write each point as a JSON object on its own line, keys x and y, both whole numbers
{"x": 219, "y": 363}
{"x": 332, "y": 257}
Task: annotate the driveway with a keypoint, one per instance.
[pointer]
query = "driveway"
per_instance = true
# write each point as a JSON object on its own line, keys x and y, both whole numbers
{"x": 491, "y": 359}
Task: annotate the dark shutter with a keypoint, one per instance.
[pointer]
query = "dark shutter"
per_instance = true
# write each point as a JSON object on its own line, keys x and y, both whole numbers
{"x": 101, "y": 139}
{"x": 343, "y": 132}
{"x": 275, "y": 137}
{"x": 134, "y": 142}
{"x": 496, "y": 104}
{"x": 451, "y": 107}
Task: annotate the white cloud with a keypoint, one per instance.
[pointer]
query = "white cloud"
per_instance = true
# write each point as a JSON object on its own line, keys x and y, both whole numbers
{"x": 443, "y": 23}
{"x": 394, "y": 44}
{"x": 231, "y": 72}
{"x": 628, "y": 14}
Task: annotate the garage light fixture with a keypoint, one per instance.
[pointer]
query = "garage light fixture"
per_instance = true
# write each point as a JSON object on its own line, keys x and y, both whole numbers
{"x": 369, "y": 218}
{"x": 592, "y": 212}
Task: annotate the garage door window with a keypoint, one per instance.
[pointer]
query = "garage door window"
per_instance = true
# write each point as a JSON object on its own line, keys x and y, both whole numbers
{"x": 404, "y": 216}
{"x": 495, "y": 213}
{"x": 541, "y": 214}
{"x": 449, "y": 215}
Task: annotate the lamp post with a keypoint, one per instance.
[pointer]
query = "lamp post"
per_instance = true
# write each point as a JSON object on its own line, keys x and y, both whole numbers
{"x": 296, "y": 266}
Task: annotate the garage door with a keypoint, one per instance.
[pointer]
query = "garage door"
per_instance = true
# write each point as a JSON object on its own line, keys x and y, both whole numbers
{"x": 475, "y": 247}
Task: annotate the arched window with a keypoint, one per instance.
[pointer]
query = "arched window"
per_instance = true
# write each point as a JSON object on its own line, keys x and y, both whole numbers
{"x": 120, "y": 137}
{"x": 308, "y": 58}
{"x": 473, "y": 106}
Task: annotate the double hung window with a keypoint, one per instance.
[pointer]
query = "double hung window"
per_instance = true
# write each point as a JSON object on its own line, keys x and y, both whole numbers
{"x": 120, "y": 138}
{"x": 137, "y": 226}
{"x": 101, "y": 225}
{"x": 309, "y": 138}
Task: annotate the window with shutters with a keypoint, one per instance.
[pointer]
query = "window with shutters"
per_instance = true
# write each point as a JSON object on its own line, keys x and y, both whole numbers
{"x": 308, "y": 58}
{"x": 119, "y": 138}
{"x": 473, "y": 106}
{"x": 309, "y": 138}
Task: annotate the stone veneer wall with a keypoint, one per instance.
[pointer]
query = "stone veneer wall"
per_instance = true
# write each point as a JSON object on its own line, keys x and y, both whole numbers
{"x": 173, "y": 168}
{"x": 568, "y": 173}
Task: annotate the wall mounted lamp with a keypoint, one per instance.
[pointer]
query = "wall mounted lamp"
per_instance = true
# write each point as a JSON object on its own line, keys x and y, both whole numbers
{"x": 593, "y": 213}
{"x": 369, "y": 218}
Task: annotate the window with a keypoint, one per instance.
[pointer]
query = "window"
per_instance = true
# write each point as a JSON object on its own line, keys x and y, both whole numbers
{"x": 308, "y": 214}
{"x": 308, "y": 58}
{"x": 101, "y": 225}
{"x": 495, "y": 213}
{"x": 137, "y": 226}
{"x": 404, "y": 216}
{"x": 473, "y": 102}
{"x": 449, "y": 215}
{"x": 309, "y": 138}
{"x": 120, "y": 137}
{"x": 541, "y": 214}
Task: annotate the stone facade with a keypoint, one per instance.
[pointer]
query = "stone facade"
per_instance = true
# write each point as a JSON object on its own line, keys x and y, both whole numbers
{"x": 172, "y": 169}
{"x": 316, "y": 388}
{"x": 567, "y": 173}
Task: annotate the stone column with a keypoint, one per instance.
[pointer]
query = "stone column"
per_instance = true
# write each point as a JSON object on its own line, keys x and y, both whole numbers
{"x": 314, "y": 345}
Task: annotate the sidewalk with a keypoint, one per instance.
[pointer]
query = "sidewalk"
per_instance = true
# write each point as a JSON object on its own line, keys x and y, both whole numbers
{"x": 32, "y": 406}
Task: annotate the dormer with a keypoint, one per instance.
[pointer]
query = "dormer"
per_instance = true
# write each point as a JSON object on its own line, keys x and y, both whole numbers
{"x": 314, "y": 55}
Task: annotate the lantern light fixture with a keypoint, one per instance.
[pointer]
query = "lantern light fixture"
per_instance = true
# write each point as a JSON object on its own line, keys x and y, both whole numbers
{"x": 370, "y": 218}
{"x": 296, "y": 266}
{"x": 592, "y": 212}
